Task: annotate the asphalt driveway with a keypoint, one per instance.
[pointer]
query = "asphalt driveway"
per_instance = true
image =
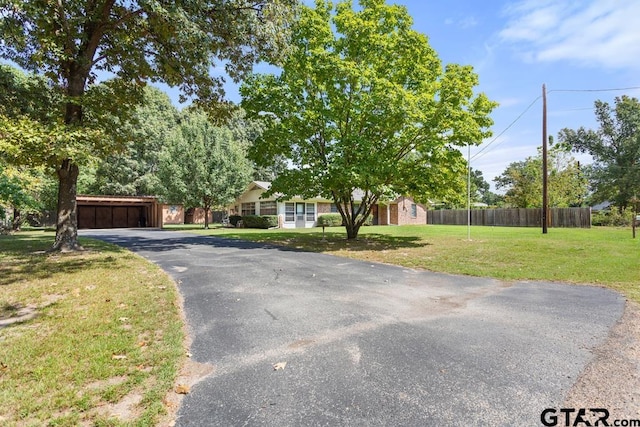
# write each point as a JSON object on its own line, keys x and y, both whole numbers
{"x": 368, "y": 344}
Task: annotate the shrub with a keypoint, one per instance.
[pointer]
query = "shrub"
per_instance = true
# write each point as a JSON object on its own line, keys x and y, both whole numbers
{"x": 262, "y": 221}
{"x": 233, "y": 220}
{"x": 612, "y": 218}
{"x": 335, "y": 220}
{"x": 330, "y": 220}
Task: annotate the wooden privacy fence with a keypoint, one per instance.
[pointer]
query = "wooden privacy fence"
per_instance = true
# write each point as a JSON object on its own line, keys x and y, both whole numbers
{"x": 518, "y": 217}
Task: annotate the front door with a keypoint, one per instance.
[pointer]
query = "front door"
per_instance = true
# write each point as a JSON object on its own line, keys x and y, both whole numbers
{"x": 300, "y": 213}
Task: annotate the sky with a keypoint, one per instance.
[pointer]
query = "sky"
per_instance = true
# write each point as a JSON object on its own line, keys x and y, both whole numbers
{"x": 517, "y": 46}
{"x": 578, "y": 48}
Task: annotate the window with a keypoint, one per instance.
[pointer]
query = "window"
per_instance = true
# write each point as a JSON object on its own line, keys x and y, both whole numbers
{"x": 268, "y": 208}
{"x": 414, "y": 210}
{"x": 311, "y": 212}
{"x": 248, "y": 209}
{"x": 334, "y": 208}
{"x": 289, "y": 212}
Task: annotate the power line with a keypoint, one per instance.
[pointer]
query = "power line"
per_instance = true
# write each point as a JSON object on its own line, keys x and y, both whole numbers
{"x": 480, "y": 153}
{"x": 595, "y": 90}
{"x": 572, "y": 109}
{"x": 475, "y": 156}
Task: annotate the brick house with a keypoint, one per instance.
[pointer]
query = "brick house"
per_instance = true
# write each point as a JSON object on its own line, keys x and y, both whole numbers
{"x": 303, "y": 213}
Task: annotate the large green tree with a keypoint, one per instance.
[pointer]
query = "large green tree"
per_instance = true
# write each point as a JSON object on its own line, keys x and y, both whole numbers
{"x": 615, "y": 148}
{"x": 134, "y": 171}
{"x": 25, "y": 191}
{"x": 567, "y": 184}
{"x": 363, "y": 102}
{"x": 204, "y": 165}
{"x": 177, "y": 42}
{"x": 29, "y": 132}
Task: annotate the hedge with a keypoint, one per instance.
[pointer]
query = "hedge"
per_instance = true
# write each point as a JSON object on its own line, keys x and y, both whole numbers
{"x": 330, "y": 220}
{"x": 233, "y": 220}
{"x": 612, "y": 218}
{"x": 262, "y": 221}
{"x": 335, "y": 220}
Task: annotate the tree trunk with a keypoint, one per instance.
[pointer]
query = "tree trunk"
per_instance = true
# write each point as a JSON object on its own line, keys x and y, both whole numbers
{"x": 206, "y": 217}
{"x": 352, "y": 230}
{"x": 17, "y": 219}
{"x": 67, "y": 217}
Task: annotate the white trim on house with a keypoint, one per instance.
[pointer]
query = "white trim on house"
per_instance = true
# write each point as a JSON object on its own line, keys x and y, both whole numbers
{"x": 303, "y": 213}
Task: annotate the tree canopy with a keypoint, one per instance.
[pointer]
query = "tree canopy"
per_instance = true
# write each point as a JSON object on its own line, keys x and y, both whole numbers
{"x": 133, "y": 171}
{"x": 363, "y": 102}
{"x": 615, "y": 148}
{"x": 137, "y": 41}
{"x": 567, "y": 183}
{"x": 204, "y": 165}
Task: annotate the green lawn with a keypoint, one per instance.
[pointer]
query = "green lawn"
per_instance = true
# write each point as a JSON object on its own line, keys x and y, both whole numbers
{"x": 82, "y": 334}
{"x": 106, "y": 329}
{"x": 601, "y": 255}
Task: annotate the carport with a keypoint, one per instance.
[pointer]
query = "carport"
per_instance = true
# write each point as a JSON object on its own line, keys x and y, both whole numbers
{"x": 118, "y": 211}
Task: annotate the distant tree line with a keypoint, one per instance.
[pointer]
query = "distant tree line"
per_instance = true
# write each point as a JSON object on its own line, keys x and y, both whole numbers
{"x": 614, "y": 175}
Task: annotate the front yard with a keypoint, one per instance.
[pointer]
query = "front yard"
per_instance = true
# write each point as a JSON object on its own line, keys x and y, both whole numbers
{"x": 85, "y": 336}
{"x": 602, "y": 255}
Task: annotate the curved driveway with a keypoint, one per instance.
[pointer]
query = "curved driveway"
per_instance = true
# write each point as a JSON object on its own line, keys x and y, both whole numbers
{"x": 368, "y": 344}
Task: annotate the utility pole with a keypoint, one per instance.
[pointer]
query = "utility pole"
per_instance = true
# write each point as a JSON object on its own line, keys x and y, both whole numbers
{"x": 469, "y": 192}
{"x": 545, "y": 194}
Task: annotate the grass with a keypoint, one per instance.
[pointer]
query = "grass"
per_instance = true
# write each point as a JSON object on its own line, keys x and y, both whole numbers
{"x": 602, "y": 255}
{"x": 82, "y": 332}
{"x": 102, "y": 327}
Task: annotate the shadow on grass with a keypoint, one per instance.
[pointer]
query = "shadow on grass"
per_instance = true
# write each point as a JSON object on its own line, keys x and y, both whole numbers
{"x": 314, "y": 242}
{"x": 272, "y": 239}
{"x": 23, "y": 257}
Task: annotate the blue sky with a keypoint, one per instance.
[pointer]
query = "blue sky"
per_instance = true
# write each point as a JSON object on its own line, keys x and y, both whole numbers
{"x": 516, "y": 46}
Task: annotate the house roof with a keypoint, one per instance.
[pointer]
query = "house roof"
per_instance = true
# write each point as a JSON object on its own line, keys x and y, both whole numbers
{"x": 601, "y": 206}
{"x": 259, "y": 185}
{"x": 84, "y": 199}
{"x": 358, "y": 194}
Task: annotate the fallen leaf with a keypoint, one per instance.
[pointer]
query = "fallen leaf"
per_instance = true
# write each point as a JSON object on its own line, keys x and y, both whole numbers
{"x": 182, "y": 389}
{"x": 279, "y": 366}
{"x": 142, "y": 344}
{"x": 118, "y": 357}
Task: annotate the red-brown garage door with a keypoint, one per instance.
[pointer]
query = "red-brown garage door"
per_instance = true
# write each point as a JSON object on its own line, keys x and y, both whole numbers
{"x": 110, "y": 216}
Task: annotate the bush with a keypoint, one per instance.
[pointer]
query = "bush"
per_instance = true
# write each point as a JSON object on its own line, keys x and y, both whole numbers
{"x": 612, "y": 218}
{"x": 335, "y": 220}
{"x": 233, "y": 220}
{"x": 262, "y": 221}
{"x": 330, "y": 220}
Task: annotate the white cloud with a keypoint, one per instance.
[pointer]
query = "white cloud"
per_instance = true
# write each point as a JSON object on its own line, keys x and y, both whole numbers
{"x": 468, "y": 22}
{"x": 464, "y": 23}
{"x": 597, "y": 32}
{"x": 509, "y": 102}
